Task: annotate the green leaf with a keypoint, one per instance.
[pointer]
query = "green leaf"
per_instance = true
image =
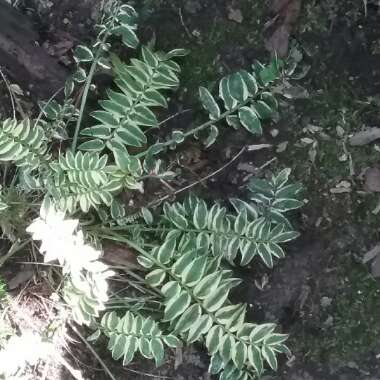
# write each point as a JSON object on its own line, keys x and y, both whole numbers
{"x": 129, "y": 349}
{"x": 254, "y": 357}
{"x": 177, "y": 53}
{"x": 270, "y": 356}
{"x": 227, "y": 347}
{"x": 94, "y": 336}
{"x": 209, "y": 102}
{"x": 166, "y": 251}
{"x": 128, "y": 36}
{"x": 199, "y": 328}
{"x": 92, "y": 146}
{"x": 240, "y": 354}
{"x": 265, "y": 254}
{"x": 263, "y": 110}
{"x": 83, "y": 54}
{"x": 105, "y": 118}
{"x": 213, "y": 135}
{"x": 250, "y": 121}
{"x": 122, "y": 159}
{"x": 80, "y": 75}
{"x": 149, "y": 57}
{"x": 284, "y": 205}
{"x": 156, "y": 277}
{"x": 118, "y": 348}
{"x": 216, "y": 364}
{"x": 176, "y": 306}
{"x": 225, "y": 95}
{"x": 260, "y": 332}
{"x": 188, "y": 318}
{"x": 145, "y": 348}
{"x": 171, "y": 289}
{"x": 147, "y": 215}
{"x": 275, "y": 339}
{"x": 145, "y": 262}
{"x": 172, "y": 341}
{"x": 98, "y": 131}
{"x": 237, "y": 87}
{"x": 216, "y": 299}
{"x": 207, "y": 284}
{"x": 157, "y": 349}
{"x": 104, "y": 63}
{"x": 195, "y": 271}
{"x": 250, "y": 82}
{"x": 213, "y": 339}
{"x": 200, "y": 215}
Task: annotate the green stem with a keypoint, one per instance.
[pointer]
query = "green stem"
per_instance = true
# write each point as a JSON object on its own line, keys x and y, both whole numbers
{"x": 87, "y": 89}
{"x": 200, "y": 127}
{"x": 229, "y": 235}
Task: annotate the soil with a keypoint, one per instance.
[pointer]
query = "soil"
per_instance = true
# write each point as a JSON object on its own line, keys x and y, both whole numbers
{"x": 321, "y": 293}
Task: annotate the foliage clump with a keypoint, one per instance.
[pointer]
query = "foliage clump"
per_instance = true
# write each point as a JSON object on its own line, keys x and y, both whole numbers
{"x": 186, "y": 248}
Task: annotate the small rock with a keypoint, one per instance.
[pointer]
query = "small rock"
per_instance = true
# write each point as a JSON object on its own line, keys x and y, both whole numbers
{"x": 329, "y": 321}
{"x": 246, "y": 167}
{"x": 235, "y": 15}
{"x": 282, "y": 147}
{"x": 365, "y": 137}
{"x": 375, "y": 268}
{"x": 192, "y": 6}
{"x": 274, "y": 132}
{"x": 341, "y": 187}
{"x": 340, "y": 131}
{"x": 326, "y": 302}
{"x": 372, "y": 180}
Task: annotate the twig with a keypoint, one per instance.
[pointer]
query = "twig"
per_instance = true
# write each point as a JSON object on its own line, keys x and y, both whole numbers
{"x": 46, "y": 105}
{"x": 86, "y": 89}
{"x": 10, "y": 92}
{"x": 17, "y": 246}
{"x": 258, "y": 170}
{"x": 270, "y": 162}
{"x": 201, "y": 180}
{"x": 83, "y": 339}
{"x": 199, "y": 128}
{"x": 183, "y": 23}
{"x": 75, "y": 373}
{"x": 148, "y": 374}
{"x": 172, "y": 117}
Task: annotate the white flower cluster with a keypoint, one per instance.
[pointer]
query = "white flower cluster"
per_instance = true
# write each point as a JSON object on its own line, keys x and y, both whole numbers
{"x": 27, "y": 348}
{"x": 86, "y": 286}
{"x": 61, "y": 240}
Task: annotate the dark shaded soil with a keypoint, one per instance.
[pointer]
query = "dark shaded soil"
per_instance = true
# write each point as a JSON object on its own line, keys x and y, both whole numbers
{"x": 321, "y": 293}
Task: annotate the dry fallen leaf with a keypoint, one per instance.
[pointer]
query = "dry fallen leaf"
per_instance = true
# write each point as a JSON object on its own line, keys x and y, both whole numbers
{"x": 251, "y": 148}
{"x": 371, "y": 254}
{"x": 375, "y": 267}
{"x": 372, "y": 180}
{"x": 365, "y": 137}
{"x": 120, "y": 256}
{"x": 285, "y": 13}
{"x": 281, "y": 147}
{"x": 341, "y": 187}
{"x": 235, "y": 15}
{"x": 20, "y": 278}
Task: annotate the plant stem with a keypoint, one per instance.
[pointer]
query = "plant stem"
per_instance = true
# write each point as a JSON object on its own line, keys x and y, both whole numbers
{"x": 14, "y": 249}
{"x": 86, "y": 90}
{"x": 83, "y": 339}
{"x": 199, "y": 128}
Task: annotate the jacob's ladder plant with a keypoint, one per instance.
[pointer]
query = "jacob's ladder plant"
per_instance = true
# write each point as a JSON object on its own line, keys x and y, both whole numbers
{"x": 185, "y": 249}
